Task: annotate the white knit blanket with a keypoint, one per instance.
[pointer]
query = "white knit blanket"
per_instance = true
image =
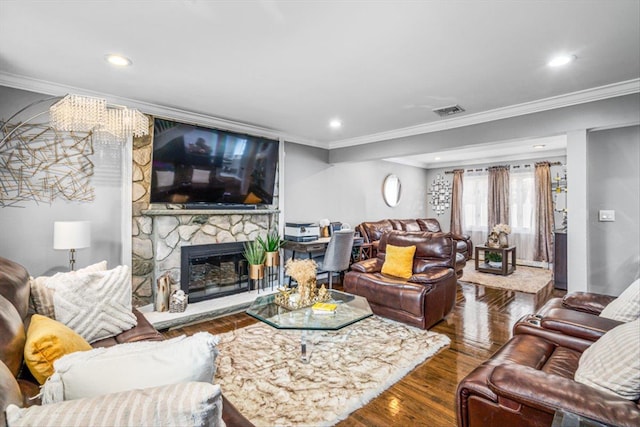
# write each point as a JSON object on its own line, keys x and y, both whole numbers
{"x": 96, "y": 305}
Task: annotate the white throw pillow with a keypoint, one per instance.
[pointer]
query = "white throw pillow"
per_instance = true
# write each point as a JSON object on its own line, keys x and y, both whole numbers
{"x": 134, "y": 365}
{"x": 96, "y": 305}
{"x": 626, "y": 307}
{"x": 185, "y": 404}
{"x": 612, "y": 363}
{"x": 42, "y": 296}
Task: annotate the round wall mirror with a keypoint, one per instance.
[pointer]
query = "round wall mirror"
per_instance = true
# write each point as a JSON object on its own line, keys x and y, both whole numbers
{"x": 391, "y": 190}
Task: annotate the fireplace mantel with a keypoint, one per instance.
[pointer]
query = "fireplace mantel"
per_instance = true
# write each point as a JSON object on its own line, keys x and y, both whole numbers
{"x": 210, "y": 212}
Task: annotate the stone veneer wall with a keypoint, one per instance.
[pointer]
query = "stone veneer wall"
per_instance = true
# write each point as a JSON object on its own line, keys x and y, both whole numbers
{"x": 157, "y": 235}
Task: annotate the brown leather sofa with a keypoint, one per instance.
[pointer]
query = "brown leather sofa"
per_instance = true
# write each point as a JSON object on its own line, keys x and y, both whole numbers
{"x": 422, "y": 300}
{"x": 372, "y": 231}
{"x": 531, "y": 376}
{"x": 17, "y": 386}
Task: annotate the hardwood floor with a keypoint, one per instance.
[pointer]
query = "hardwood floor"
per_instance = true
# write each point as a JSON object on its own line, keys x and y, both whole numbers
{"x": 479, "y": 324}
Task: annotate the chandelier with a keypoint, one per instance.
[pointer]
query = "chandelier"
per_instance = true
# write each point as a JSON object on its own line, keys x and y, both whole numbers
{"x": 109, "y": 124}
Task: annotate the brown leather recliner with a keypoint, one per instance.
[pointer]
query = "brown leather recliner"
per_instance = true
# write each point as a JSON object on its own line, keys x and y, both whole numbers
{"x": 17, "y": 386}
{"x": 422, "y": 300}
{"x": 531, "y": 376}
{"x": 373, "y": 231}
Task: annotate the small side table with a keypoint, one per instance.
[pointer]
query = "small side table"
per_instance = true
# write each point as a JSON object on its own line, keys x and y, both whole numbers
{"x": 507, "y": 267}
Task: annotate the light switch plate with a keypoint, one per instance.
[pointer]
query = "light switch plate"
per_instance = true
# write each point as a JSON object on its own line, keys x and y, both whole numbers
{"x": 606, "y": 216}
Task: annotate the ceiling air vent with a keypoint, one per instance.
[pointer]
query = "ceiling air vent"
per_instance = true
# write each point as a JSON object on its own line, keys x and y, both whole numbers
{"x": 448, "y": 111}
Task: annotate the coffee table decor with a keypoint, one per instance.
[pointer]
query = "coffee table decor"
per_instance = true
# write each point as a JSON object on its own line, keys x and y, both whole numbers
{"x": 349, "y": 309}
{"x": 307, "y": 293}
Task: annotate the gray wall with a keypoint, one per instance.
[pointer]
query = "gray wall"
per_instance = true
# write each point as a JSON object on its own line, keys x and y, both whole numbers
{"x": 27, "y": 233}
{"x": 614, "y": 184}
{"x": 347, "y": 192}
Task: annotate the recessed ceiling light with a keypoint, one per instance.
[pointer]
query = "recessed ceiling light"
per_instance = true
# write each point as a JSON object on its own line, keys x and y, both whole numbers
{"x": 538, "y": 146}
{"x": 117, "y": 60}
{"x": 335, "y": 124}
{"x": 561, "y": 60}
{"x": 437, "y": 158}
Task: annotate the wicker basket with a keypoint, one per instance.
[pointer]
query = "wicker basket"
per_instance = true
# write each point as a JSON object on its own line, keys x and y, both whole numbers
{"x": 176, "y": 305}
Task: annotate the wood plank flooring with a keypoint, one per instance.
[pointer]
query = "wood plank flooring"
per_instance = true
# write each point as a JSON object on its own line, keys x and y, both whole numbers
{"x": 479, "y": 324}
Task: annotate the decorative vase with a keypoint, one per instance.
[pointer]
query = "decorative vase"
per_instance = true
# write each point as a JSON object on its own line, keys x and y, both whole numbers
{"x": 163, "y": 289}
{"x": 272, "y": 259}
{"x": 503, "y": 240}
{"x": 495, "y": 264}
{"x": 256, "y": 271}
{"x": 324, "y": 231}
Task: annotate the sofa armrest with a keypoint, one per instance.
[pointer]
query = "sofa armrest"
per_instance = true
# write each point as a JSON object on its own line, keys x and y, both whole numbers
{"x": 587, "y": 302}
{"x": 548, "y": 393}
{"x": 577, "y": 324}
{"x": 460, "y": 236}
{"x": 371, "y": 265}
{"x": 433, "y": 275}
{"x": 143, "y": 331}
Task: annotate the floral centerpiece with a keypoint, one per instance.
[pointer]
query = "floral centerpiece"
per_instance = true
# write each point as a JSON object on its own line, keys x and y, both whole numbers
{"x": 498, "y": 236}
{"x": 501, "y": 228}
{"x": 307, "y": 293}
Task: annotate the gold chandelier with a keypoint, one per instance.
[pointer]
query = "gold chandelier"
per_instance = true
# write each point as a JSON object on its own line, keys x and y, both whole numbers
{"x": 109, "y": 124}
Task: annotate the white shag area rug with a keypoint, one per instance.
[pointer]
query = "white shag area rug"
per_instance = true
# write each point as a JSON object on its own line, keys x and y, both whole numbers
{"x": 530, "y": 280}
{"x": 260, "y": 370}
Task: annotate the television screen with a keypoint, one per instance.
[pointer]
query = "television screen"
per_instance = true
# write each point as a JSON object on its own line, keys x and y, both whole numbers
{"x": 198, "y": 165}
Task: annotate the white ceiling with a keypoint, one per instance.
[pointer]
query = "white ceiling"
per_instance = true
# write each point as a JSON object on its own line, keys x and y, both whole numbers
{"x": 291, "y": 66}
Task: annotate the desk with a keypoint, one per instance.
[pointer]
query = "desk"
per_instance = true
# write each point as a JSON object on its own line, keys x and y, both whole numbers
{"x": 361, "y": 250}
{"x": 506, "y": 268}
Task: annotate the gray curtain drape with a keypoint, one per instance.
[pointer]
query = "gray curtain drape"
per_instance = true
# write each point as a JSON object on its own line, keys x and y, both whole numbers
{"x": 456, "y": 202}
{"x": 543, "y": 250}
{"x": 498, "y": 196}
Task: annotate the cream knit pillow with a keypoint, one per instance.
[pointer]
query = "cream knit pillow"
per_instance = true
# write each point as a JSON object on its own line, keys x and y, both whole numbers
{"x": 612, "y": 364}
{"x": 42, "y": 296}
{"x": 626, "y": 307}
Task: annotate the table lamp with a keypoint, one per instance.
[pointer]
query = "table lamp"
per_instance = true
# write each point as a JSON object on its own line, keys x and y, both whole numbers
{"x": 71, "y": 235}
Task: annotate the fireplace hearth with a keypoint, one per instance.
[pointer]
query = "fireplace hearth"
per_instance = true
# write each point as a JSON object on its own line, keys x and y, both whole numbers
{"x": 213, "y": 270}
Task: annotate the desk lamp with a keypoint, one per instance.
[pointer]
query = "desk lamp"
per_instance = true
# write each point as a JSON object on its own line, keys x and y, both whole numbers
{"x": 71, "y": 235}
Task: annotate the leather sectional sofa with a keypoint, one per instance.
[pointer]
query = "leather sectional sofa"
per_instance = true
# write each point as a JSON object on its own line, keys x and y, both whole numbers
{"x": 532, "y": 375}
{"x": 373, "y": 231}
{"x": 422, "y": 300}
{"x": 17, "y": 386}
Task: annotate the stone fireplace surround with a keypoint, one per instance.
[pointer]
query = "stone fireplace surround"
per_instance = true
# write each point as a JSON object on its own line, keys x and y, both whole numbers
{"x": 158, "y": 232}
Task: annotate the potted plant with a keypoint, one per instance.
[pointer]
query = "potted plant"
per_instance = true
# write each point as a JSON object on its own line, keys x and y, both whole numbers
{"x": 494, "y": 259}
{"x": 271, "y": 245}
{"x": 255, "y": 255}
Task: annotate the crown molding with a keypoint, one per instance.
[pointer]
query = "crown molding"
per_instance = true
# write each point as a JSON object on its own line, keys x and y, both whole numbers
{"x": 588, "y": 95}
{"x": 55, "y": 89}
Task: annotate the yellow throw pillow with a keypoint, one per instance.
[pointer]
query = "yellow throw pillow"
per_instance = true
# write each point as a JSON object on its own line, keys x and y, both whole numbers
{"x": 47, "y": 341}
{"x": 398, "y": 261}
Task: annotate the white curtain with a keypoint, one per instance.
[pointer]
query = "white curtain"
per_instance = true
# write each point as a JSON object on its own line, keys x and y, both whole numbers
{"x": 522, "y": 212}
{"x": 474, "y": 206}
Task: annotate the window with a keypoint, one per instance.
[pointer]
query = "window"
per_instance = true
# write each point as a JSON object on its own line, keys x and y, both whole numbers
{"x": 474, "y": 202}
{"x": 522, "y": 201}
{"x": 521, "y": 209}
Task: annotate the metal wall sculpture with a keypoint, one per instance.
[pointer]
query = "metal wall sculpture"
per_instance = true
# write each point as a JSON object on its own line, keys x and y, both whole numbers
{"x": 440, "y": 194}
{"x": 38, "y": 163}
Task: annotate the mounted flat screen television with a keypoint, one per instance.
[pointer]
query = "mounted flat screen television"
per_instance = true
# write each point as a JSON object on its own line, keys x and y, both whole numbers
{"x": 203, "y": 167}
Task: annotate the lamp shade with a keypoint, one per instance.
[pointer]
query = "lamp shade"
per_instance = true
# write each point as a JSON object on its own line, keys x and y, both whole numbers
{"x": 71, "y": 234}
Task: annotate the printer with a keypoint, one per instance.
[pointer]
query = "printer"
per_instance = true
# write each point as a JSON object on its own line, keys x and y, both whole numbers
{"x": 301, "y": 231}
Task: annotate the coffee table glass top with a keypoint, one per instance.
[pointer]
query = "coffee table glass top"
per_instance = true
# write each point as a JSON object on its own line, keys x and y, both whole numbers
{"x": 351, "y": 309}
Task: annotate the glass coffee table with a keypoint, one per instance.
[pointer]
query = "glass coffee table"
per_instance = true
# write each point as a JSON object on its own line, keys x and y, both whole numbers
{"x": 351, "y": 309}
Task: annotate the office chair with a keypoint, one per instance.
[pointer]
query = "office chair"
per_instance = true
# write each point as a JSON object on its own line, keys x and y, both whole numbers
{"x": 338, "y": 254}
